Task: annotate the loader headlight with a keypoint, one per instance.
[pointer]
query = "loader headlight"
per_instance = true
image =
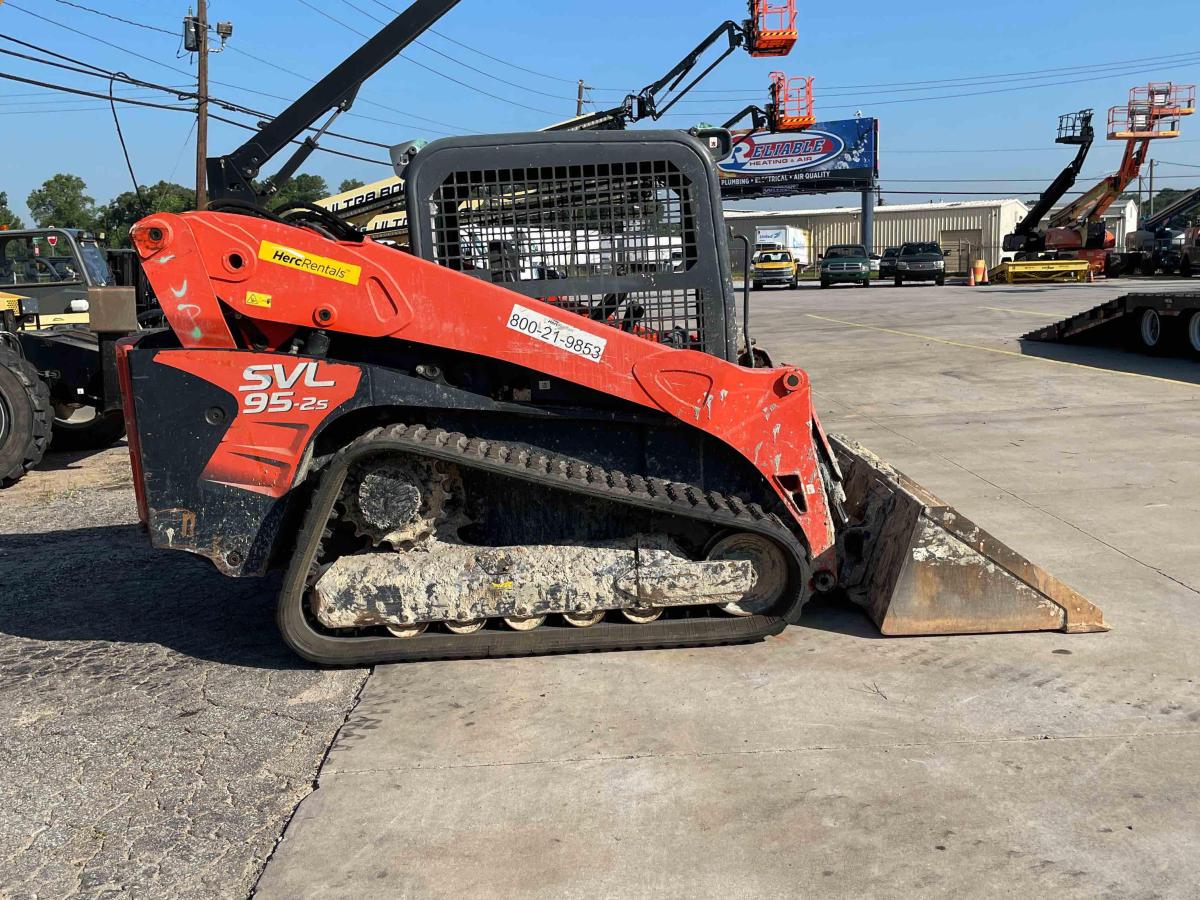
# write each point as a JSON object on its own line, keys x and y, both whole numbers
{"x": 28, "y": 306}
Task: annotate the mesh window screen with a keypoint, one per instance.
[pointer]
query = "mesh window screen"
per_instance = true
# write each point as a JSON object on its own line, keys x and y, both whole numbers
{"x": 611, "y": 241}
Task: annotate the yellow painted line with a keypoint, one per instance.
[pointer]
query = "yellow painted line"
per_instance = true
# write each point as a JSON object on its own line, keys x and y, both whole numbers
{"x": 1028, "y": 312}
{"x": 949, "y": 343}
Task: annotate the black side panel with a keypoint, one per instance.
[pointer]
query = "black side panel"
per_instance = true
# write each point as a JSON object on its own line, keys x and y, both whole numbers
{"x": 74, "y": 354}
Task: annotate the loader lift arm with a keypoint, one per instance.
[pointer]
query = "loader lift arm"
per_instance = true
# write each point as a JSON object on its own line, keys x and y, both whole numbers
{"x": 231, "y": 177}
{"x": 1073, "y": 128}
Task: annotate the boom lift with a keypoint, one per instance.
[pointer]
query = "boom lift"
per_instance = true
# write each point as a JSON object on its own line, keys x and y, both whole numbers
{"x": 450, "y": 460}
{"x": 1073, "y": 129}
{"x": 1032, "y": 262}
{"x": 768, "y": 31}
{"x": 1152, "y": 113}
{"x": 790, "y": 107}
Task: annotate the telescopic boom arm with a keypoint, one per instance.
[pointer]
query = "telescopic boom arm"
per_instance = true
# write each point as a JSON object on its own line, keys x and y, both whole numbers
{"x": 232, "y": 176}
{"x": 655, "y": 100}
{"x": 1083, "y": 135}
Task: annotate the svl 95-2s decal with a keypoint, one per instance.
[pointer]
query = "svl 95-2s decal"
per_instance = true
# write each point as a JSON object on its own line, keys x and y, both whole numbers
{"x": 271, "y": 388}
{"x": 281, "y": 402}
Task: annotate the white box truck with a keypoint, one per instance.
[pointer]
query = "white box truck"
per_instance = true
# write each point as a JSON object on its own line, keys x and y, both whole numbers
{"x": 780, "y": 252}
{"x": 784, "y": 237}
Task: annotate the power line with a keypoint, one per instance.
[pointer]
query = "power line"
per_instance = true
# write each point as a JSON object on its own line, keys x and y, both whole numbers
{"x": 117, "y": 18}
{"x": 429, "y": 68}
{"x": 98, "y": 72}
{"x": 951, "y": 82}
{"x": 149, "y": 59}
{"x": 438, "y": 52}
{"x": 1027, "y": 87}
{"x": 476, "y": 50}
{"x": 226, "y": 84}
{"x": 151, "y": 105}
{"x": 366, "y": 100}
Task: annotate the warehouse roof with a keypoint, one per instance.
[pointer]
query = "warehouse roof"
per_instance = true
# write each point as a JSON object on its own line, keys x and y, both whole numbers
{"x": 887, "y": 208}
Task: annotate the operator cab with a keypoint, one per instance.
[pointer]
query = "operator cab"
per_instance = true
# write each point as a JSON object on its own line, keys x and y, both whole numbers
{"x": 54, "y": 267}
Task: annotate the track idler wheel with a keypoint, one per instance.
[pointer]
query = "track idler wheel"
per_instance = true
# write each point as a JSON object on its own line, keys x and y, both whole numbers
{"x": 470, "y": 627}
{"x": 770, "y": 571}
{"x": 584, "y": 620}
{"x": 642, "y": 615}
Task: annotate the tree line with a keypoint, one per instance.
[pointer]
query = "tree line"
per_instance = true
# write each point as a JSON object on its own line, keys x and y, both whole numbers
{"x": 63, "y": 201}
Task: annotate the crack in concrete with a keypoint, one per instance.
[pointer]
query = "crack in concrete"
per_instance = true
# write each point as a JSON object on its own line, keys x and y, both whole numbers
{"x": 315, "y": 783}
{"x": 763, "y": 751}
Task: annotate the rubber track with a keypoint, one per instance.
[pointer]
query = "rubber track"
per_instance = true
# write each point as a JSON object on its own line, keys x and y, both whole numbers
{"x": 537, "y": 466}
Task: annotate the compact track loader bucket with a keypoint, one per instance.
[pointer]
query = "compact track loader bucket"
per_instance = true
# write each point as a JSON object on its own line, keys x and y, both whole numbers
{"x": 919, "y": 567}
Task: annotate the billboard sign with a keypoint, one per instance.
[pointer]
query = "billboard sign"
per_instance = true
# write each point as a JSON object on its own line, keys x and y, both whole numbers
{"x": 829, "y": 156}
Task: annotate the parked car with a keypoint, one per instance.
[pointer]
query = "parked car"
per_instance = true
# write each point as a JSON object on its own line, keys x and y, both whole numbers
{"x": 846, "y": 263}
{"x": 773, "y": 267}
{"x": 887, "y": 262}
{"x": 920, "y": 261}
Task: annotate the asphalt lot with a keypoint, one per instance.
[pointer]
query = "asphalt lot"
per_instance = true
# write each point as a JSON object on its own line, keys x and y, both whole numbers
{"x": 157, "y": 737}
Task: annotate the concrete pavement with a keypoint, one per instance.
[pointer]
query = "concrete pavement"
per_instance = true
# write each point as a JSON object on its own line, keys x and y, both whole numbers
{"x": 829, "y": 761}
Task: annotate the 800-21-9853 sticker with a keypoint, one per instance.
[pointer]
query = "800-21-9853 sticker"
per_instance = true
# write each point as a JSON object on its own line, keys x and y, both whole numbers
{"x": 557, "y": 334}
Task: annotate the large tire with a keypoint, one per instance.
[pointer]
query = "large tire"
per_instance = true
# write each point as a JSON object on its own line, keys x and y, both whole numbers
{"x": 87, "y": 432}
{"x": 1192, "y": 333}
{"x": 1149, "y": 331}
{"x": 25, "y": 416}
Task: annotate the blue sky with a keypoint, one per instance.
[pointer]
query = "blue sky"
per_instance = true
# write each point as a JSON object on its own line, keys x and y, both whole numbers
{"x": 1000, "y": 143}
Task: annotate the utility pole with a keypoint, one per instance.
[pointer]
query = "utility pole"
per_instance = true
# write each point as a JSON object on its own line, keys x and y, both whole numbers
{"x": 201, "y": 102}
{"x": 579, "y": 102}
{"x": 195, "y": 40}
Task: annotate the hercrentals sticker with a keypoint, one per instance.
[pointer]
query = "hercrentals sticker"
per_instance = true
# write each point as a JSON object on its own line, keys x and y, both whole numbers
{"x": 309, "y": 262}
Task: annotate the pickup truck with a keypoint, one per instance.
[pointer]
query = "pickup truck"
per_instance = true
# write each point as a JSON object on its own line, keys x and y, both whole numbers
{"x": 846, "y": 263}
{"x": 922, "y": 261}
{"x": 773, "y": 267}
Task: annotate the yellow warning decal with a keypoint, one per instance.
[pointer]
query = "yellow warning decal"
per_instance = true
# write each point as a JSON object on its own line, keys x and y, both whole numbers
{"x": 253, "y": 298}
{"x": 309, "y": 262}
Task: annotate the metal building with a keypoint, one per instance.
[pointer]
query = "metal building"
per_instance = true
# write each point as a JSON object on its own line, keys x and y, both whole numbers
{"x": 967, "y": 230}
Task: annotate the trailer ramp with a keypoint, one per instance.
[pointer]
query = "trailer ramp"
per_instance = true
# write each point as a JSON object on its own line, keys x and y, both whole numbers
{"x": 1122, "y": 318}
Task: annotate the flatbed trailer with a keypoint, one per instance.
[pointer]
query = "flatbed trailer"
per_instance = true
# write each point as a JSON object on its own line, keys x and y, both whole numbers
{"x": 1154, "y": 322}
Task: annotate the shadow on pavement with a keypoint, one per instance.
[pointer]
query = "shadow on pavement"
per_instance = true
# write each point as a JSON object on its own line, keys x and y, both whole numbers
{"x": 1108, "y": 353}
{"x": 55, "y": 461}
{"x": 839, "y": 615}
{"x": 107, "y": 584}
